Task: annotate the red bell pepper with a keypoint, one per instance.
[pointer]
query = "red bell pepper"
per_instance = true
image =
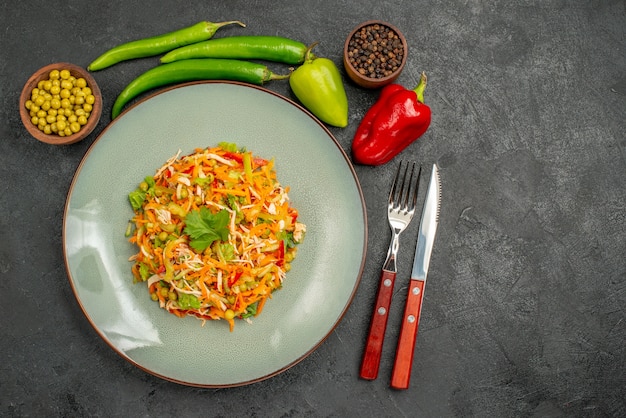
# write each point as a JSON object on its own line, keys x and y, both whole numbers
{"x": 234, "y": 279}
{"x": 234, "y": 156}
{"x": 397, "y": 119}
{"x": 281, "y": 254}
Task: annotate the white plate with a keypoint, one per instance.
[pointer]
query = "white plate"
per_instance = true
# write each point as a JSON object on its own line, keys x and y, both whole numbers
{"x": 316, "y": 292}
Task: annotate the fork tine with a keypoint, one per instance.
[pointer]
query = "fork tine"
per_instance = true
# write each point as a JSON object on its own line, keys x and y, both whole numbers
{"x": 394, "y": 186}
{"x": 400, "y": 200}
{"x": 417, "y": 185}
{"x": 406, "y": 193}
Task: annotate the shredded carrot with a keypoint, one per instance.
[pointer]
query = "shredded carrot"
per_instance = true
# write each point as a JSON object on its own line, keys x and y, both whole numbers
{"x": 231, "y": 278}
{"x": 260, "y": 305}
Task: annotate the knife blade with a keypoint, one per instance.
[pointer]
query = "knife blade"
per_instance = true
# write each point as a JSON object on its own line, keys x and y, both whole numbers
{"x": 401, "y": 374}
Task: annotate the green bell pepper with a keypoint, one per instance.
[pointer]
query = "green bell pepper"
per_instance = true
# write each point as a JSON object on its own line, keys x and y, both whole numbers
{"x": 317, "y": 84}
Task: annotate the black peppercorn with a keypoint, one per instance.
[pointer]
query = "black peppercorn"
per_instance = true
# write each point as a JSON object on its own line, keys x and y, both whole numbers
{"x": 375, "y": 51}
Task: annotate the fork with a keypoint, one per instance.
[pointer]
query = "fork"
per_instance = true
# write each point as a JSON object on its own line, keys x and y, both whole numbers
{"x": 400, "y": 210}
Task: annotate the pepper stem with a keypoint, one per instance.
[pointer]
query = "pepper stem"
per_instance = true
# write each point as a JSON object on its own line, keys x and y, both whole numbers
{"x": 230, "y": 22}
{"x": 421, "y": 86}
{"x": 211, "y": 27}
{"x": 308, "y": 55}
{"x": 269, "y": 75}
{"x": 274, "y": 76}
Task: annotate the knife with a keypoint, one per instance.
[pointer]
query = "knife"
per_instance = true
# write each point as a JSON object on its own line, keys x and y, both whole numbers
{"x": 401, "y": 374}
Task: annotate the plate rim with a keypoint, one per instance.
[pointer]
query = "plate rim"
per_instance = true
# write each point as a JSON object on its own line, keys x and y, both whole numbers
{"x": 86, "y": 157}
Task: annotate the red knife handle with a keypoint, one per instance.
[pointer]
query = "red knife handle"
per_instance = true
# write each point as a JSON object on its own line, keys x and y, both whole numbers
{"x": 378, "y": 325}
{"x": 401, "y": 374}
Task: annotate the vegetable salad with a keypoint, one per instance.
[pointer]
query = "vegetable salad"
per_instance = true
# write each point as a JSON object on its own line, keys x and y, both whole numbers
{"x": 216, "y": 233}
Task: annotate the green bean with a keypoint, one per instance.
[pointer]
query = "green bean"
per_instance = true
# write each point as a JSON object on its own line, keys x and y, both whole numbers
{"x": 158, "y": 44}
{"x": 194, "y": 70}
{"x": 269, "y": 48}
{"x": 129, "y": 229}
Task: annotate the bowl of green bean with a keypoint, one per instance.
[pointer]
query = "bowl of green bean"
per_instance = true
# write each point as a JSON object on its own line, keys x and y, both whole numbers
{"x": 60, "y": 104}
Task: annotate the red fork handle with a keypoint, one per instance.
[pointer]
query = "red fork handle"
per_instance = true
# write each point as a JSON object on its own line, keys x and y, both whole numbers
{"x": 378, "y": 325}
{"x": 401, "y": 374}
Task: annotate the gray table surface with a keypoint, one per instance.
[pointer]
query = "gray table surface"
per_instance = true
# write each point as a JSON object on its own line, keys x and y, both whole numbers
{"x": 524, "y": 311}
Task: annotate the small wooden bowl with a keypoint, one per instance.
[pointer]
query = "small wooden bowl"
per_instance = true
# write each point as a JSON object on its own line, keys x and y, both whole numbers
{"x": 365, "y": 80}
{"x": 53, "y": 138}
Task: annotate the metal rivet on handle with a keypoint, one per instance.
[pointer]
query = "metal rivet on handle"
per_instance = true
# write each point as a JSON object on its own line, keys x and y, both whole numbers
{"x": 411, "y": 319}
{"x": 416, "y": 290}
{"x": 387, "y": 283}
{"x": 382, "y": 311}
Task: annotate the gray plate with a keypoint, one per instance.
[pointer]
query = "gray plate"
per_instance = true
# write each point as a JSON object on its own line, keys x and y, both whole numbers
{"x": 316, "y": 292}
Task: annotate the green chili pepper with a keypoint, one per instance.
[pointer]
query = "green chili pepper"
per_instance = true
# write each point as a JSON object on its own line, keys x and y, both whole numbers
{"x": 317, "y": 84}
{"x": 158, "y": 44}
{"x": 269, "y": 48}
{"x": 193, "y": 70}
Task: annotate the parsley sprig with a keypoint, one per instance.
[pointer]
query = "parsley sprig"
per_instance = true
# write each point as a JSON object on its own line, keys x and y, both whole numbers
{"x": 204, "y": 227}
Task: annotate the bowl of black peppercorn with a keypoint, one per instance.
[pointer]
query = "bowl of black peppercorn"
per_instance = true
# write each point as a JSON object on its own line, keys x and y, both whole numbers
{"x": 374, "y": 54}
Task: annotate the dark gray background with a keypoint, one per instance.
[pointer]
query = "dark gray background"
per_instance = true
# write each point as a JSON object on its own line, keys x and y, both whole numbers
{"x": 524, "y": 310}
